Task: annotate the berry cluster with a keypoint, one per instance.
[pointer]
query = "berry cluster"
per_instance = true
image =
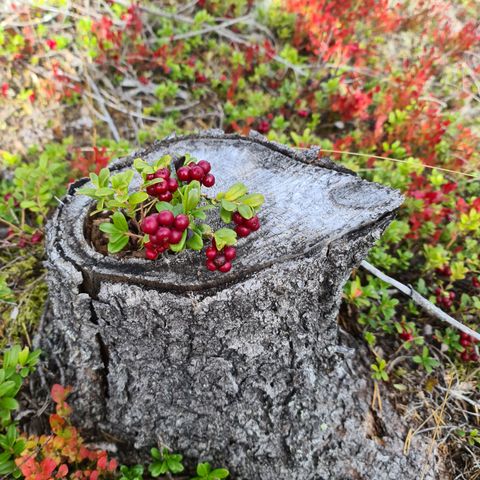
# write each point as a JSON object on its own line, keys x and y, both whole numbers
{"x": 220, "y": 260}
{"x": 197, "y": 171}
{"x": 163, "y": 229}
{"x": 468, "y": 343}
{"x": 245, "y": 227}
{"x": 444, "y": 298}
{"x": 165, "y": 189}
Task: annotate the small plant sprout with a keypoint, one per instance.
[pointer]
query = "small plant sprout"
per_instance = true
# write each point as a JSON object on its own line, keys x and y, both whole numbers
{"x": 165, "y": 462}
{"x": 205, "y": 472}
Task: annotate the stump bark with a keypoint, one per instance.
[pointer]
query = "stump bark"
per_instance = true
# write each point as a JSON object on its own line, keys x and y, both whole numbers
{"x": 245, "y": 369}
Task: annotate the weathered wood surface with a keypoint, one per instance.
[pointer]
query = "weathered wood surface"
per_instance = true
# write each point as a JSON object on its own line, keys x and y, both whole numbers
{"x": 244, "y": 368}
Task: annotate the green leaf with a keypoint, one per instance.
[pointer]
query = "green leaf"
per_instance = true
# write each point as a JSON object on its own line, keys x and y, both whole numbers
{"x": 191, "y": 199}
{"x": 155, "y": 453}
{"x": 6, "y": 388}
{"x": 236, "y": 191}
{"x": 108, "y": 227}
{"x": 225, "y": 236}
{"x": 118, "y": 245}
{"x": 120, "y": 222}
{"x": 103, "y": 177}
{"x": 195, "y": 242}
{"x": 8, "y": 403}
{"x": 161, "y": 206}
{"x": 229, "y": 206}
{"x": 28, "y": 204}
{"x": 225, "y": 215}
{"x": 137, "y": 197}
{"x": 253, "y": 200}
{"x": 245, "y": 211}
{"x": 220, "y": 473}
{"x": 203, "y": 469}
{"x": 89, "y": 192}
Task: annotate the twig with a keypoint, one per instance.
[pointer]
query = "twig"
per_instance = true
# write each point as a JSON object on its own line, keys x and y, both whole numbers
{"x": 420, "y": 300}
{"x": 106, "y": 114}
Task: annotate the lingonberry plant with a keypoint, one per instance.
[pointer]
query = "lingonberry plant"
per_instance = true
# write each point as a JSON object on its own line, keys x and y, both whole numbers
{"x": 168, "y": 213}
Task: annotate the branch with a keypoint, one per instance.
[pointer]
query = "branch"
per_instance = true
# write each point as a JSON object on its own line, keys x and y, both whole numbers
{"x": 420, "y": 300}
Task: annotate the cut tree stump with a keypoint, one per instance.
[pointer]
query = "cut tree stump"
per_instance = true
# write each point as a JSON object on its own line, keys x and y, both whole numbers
{"x": 244, "y": 369}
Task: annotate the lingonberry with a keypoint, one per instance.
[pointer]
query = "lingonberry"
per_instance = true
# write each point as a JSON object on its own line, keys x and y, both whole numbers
{"x": 226, "y": 267}
{"x": 476, "y": 282}
{"x": 183, "y": 174}
{"x": 237, "y": 218}
{"x": 303, "y": 113}
{"x": 219, "y": 260}
{"x": 162, "y": 173}
{"x": 465, "y": 356}
{"x": 196, "y": 173}
{"x": 205, "y": 166}
{"x": 181, "y": 222}
{"x": 150, "y": 176}
{"x": 151, "y": 254}
{"x": 163, "y": 233}
{"x": 209, "y": 180}
{"x": 165, "y": 197}
{"x": 149, "y": 224}
{"x": 151, "y": 190}
{"x": 263, "y": 127}
{"x": 473, "y": 357}
{"x": 465, "y": 342}
{"x": 242, "y": 231}
{"x": 211, "y": 253}
{"x": 161, "y": 187}
{"x": 229, "y": 252}
{"x": 210, "y": 265}
{"x": 175, "y": 236}
{"x": 165, "y": 218}
{"x": 172, "y": 185}
{"x": 253, "y": 223}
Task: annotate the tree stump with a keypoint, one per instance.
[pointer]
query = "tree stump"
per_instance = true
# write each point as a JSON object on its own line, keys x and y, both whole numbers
{"x": 244, "y": 369}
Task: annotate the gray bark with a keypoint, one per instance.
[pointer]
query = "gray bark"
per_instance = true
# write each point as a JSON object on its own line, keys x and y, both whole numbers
{"x": 245, "y": 369}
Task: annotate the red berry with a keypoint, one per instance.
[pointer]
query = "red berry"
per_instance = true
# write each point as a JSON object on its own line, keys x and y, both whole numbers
{"x": 151, "y": 254}
{"x": 303, "y": 113}
{"x": 209, "y": 180}
{"x": 230, "y": 252}
{"x": 162, "y": 173}
{"x": 183, "y": 174}
{"x": 473, "y": 357}
{"x": 253, "y": 223}
{"x": 181, "y": 222}
{"x": 406, "y": 336}
{"x": 465, "y": 342}
{"x": 151, "y": 190}
{"x": 476, "y": 282}
{"x": 36, "y": 237}
{"x": 226, "y": 267}
{"x": 237, "y": 218}
{"x": 451, "y": 295}
{"x": 172, "y": 185}
{"x": 211, "y": 253}
{"x": 465, "y": 356}
{"x": 263, "y": 127}
{"x": 464, "y": 335}
{"x": 242, "y": 231}
{"x": 175, "y": 236}
{"x": 165, "y": 218}
{"x": 196, "y": 173}
{"x": 161, "y": 188}
{"x": 150, "y": 176}
{"x": 205, "y": 166}
{"x": 165, "y": 197}
{"x": 163, "y": 234}
{"x": 150, "y": 224}
{"x": 219, "y": 260}
{"x": 210, "y": 265}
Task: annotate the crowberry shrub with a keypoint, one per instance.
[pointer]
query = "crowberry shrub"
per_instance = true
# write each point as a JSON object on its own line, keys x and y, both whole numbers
{"x": 168, "y": 212}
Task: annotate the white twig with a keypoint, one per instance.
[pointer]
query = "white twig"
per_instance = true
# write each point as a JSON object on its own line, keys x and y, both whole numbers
{"x": 420, "y": 300}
